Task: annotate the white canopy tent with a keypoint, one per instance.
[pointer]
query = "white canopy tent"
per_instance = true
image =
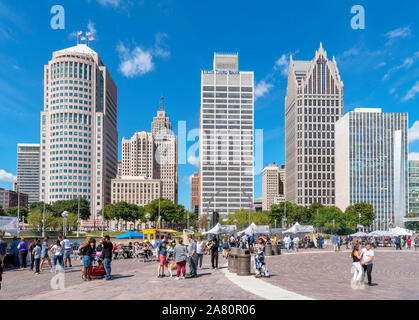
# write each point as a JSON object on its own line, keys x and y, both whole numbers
{"x": 254, "y": 229}
{"x": 402, "y": 231}
{"x": 220, "y": 229}
{"x": 380, "y": 233}
{"x": 298, "y": 228}
{"x": 359, "y": 234}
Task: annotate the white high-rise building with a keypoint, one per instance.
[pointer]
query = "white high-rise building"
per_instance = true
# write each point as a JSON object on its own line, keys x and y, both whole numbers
{"x": 272, "y": 185}
{"x": 313, "y": 104}
{"x": 226, "y": 137}
{"x": 28, "y": 158}
{"x": 79, "y": 139}
{"x": 371, "y": 163}
{"x": 138, "y": 155}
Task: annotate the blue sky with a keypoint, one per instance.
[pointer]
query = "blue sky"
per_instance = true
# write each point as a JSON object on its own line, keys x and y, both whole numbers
{"x": 155, "y": 48}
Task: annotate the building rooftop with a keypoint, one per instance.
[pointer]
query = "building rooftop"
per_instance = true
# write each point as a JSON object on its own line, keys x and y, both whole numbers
{"x": 80, "y": 48}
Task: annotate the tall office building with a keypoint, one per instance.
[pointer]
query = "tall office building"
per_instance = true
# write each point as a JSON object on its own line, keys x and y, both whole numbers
{"x": 79, "y": 139}
{"x": 195, "y": 193}
{"x": 165, "y": 163}
{"x": 138, "y": 155}
{"x": 414, "y": 187}
{"x": 28, "y": 158}
{"x": 313, "y": 104}
{"x": 226, "y": 137}
{"x": 371, "y": 163}
{"x": 271, "y": 182}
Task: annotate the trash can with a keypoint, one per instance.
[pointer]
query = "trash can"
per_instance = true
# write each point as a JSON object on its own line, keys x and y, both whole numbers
{"x": 268, "y": 249}
{"x": 232, "y": 260}
{"x": 243, "y": 262}
{"x": 275, "y": 249}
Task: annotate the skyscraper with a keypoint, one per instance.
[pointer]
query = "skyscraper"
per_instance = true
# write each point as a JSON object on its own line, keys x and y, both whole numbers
{"x": 138, "y": 155}
{"x": 165, "y": 163}
{"x": 28, "y": 158}
{"x": 195, "y": 193}
{"x": 271, "y": 181}
{"x": 313, "y": 104}
{"x": 226, "y": 137}
{"x": 414, "y": 187}
{"x": 371, "y": 163}
{"x": 79, "y": 139}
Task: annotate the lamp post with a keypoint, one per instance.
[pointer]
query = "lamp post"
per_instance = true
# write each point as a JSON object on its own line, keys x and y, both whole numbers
{"x": 18, "y": 207}
{"x": 64, "y": 215}
{"x": 43, "y": 220}
{"x": 187, "y": 224}
{"x": 333, "y": 225}
{"x": 235, "y": 222}
{"x": 359, "y": 221}
{"x": 148, "y": 216}
{"x": 284, "y": 220}
{"x": 209, "y": 221}
{"x": 78, "y": 217}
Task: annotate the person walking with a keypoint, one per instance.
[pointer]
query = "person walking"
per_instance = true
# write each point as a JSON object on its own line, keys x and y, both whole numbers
{"x": 23, "y": 252}
{"x": 30, "y": 251}
{"x": 44, "y": 253}
{"x": 67, "y": 252}
{"x": 3, "y": 249}
{"x": 335, "y": 242}
{"x": 192, "y": 256}
{"x": 408, "y": 243}
{"x": 87, "y": 251}
{"x": 260, "y": 265}
{"x": 356, "y": 256}
{"x": 200, "y": 250}
{"x": 180, "y": 256}
{"x": 287, "y": 241}
{"x": 161, "y": 252}
{"x": 398, "y": 243}
{"x": 367, "y": 261}
{"x": 15, "y": 251}
{"x": 58, "y": 251}
{"x": 226, "y": 247}
{"x": 107, "y": 255}
{"x": 36, "y": 254}
{"x": 214, "y": 252}
{"x": 296, "y": 243}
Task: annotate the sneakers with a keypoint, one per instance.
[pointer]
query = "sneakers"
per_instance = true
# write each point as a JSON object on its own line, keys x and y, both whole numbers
{"x": 183, "y": 278}
{"x": 176, "y": 278}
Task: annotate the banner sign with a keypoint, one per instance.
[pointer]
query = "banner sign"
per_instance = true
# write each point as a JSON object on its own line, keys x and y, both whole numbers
{"x": 9, "y": 225}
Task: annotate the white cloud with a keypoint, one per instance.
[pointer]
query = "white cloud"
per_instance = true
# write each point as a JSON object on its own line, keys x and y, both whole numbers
{"x": 112, "y": 3}
{"x": 407, "y": 63}
{"x": 414, "y": 131}
{"x": 283, "y": 64}
{"x": 412, "y": 92}
{"x": 91, "y": 27}
{"x": 402, "y": 32}
{"x": 262, "y": 88}
{"x": 158, "y": 50}
{"x": 135, "y": 62}
{"x": 413, "y": 156}
{"x": 6, "y": 176}
{"x": 381, "y": 64}
{"x": 193, "y": 160}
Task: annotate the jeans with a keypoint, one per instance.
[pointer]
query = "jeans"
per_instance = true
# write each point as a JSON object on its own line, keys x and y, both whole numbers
{"x": 22, "y": 258}
{"x": 357, "y": 271}
{"x": 32, "y": 260}
{"x": 200, "y": 258}
{"x": 16, "y": 259}
{"x": 214, "y": 259}
{"x": 37, "y": 262}
{"x": 107, "y": 265}
{"x": 181, "y": 266}
{"x": 368, "y": 270}
{"x": 192, "y": 265}
{"x": 60, "y": 261}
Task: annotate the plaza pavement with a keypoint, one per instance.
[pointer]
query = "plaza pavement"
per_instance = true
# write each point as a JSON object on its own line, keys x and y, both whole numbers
{"x": 308, "y": 274}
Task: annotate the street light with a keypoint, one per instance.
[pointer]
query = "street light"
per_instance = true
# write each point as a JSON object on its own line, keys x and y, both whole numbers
{"x": 148, "y": 216}
{"x": 78, "y": 217}
{"x": 43, "y": 220}
{"x": 64, "y": 215}
{"x": 235, "y": 222}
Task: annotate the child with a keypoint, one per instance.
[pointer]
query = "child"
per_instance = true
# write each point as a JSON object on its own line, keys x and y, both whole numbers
{"x": 37, "y": 256}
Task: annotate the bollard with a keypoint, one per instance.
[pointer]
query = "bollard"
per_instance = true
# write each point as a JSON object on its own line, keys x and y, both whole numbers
{"x": 243, "y": 263}
{"x": 268, "y": 249}
{"x": 233, "y": 260}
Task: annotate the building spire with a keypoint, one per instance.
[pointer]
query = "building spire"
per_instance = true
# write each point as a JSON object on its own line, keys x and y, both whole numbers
{"x": 161, "y": 103}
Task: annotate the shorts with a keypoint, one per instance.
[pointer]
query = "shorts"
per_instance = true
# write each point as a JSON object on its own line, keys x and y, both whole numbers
{"x": 287, "y": 245}
{"x": 67, "y": 253}
{"x": 162, "y": 259}
{"x": 87, "y": 262}
{"x": 44, "y": 255}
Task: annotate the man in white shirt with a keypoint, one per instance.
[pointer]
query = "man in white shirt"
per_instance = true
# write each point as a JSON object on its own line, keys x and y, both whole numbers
{"x": 287, "y": 242}
{"x": 67, "y": 251}
{"x": 367, "y": 261}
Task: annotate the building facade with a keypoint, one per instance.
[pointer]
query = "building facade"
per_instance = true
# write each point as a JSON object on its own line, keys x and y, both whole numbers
{"x": 28, "y": 159}
{"x": 135, "y": 190}
{"x": 414, "y": 187}
{"x": 226, "y": 137}
{"x": 313, "y": 104}
{"x": 138, "y": 155}
{"x": 9, "y": 199}
{"x": 371, "y": 163}
{"x": 195, "y": 193}
{"x": 79, "y": 139}
{"x": 271, "y": 185}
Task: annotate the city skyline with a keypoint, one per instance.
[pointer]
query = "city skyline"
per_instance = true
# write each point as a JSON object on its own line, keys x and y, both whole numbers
{"x": 142, "y": 90}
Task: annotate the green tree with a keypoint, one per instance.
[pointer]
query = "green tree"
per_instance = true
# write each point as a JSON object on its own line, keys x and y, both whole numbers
{"x": 12, "y": 212}
{"x": 333, "y": 220}
{"x": 71, "y": 206}
{"x": 2, "y": 211}
{"x": 51, "y": 221}
{"x": 40, "y": 205}
{"x": 242, "y": 217}
{"x": 365, "y": 209}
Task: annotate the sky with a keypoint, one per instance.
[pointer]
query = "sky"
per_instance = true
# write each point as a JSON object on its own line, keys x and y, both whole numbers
{"x": 158, "y": 48}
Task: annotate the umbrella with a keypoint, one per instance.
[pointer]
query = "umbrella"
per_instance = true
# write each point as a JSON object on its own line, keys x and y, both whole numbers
{"x": 130, "y": 235}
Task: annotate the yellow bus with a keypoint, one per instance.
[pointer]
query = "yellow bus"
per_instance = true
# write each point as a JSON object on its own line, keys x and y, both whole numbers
{"x": 152, "y": 234}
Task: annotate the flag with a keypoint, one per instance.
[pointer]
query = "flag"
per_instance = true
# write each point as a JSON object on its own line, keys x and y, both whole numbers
{"x": 91, "y": 38}
{"x": 79, "y": 33}
{"x": 88, "y": 33}
{"x": 83, "y": 38}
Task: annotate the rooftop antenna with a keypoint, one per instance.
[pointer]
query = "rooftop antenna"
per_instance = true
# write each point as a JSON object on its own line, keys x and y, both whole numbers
{"x": 79, "y": 33}
{"x": 161, "y": 103}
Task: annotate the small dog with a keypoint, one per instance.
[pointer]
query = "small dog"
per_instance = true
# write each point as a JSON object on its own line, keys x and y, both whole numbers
{"x": 171, "y": 266}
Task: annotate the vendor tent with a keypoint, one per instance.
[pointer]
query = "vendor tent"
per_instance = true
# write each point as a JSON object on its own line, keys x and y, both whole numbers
{"x": 380, "y": 233}
{"x": 359, "y": 234}
{"x": 254, "y": 229}
{"x": 130, "y": 235}
{"x": 298, "y": 228}
{"x": 220, "y": 229}
{"x": 402, "y": 231}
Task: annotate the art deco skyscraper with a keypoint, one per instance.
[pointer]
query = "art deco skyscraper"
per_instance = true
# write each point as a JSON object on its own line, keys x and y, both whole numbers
{"x": 138, "y": 155}
{"x": 28, "y": 158}
{"x": 313, "y": 104}
{"x": 226, "y": 137}
{"x": 79, "y": 139}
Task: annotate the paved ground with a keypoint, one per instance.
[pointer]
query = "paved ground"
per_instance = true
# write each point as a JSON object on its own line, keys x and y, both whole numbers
{"x": 326, "y": 275}
{"x": 133, "y": 280}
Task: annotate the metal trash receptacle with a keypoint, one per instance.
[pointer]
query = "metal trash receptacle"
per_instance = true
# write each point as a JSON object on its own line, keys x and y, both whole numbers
{"x": 243, "y": 263}
{"x": 275, "y": 249}
{"x": 268, "y": 249}
{"x": 232, "y": 260}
